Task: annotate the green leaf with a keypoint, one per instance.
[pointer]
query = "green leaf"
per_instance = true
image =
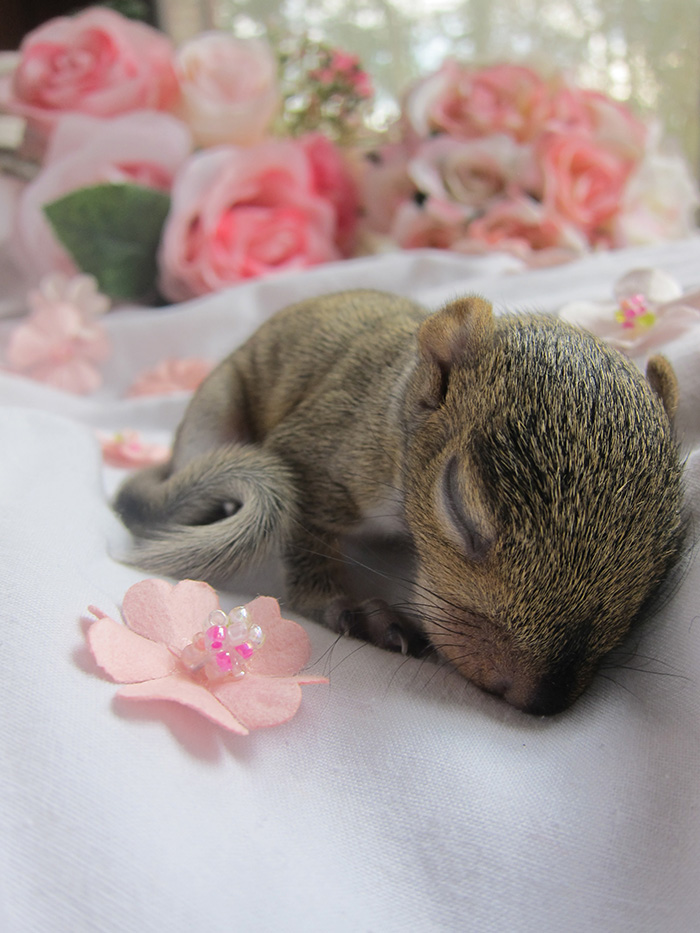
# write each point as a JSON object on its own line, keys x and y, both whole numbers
{"x": 112, "y": 231}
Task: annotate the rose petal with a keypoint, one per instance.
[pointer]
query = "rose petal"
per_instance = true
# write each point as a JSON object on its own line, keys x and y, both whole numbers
{"x": 180, "y": 689}
{"x": 260, "y": 701}
{"x": 124, "y": 655}
{"x": 170, "y": 614}
{"x": 286, "y": 648}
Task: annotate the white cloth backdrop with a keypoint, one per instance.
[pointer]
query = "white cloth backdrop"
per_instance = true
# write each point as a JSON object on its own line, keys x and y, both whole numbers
{"x": 399, "y": 798}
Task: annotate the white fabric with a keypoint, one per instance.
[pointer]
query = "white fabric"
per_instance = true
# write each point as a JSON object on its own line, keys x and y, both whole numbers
{"x": 399, "y": 798}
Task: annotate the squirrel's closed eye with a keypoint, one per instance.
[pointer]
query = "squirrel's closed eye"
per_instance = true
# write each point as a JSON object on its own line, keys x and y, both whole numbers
{"x": 465, "y": 515}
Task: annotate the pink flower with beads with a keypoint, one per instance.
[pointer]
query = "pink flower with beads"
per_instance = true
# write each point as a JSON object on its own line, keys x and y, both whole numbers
{"x": 239, "y": 670}
{"x": 647, "y": 310}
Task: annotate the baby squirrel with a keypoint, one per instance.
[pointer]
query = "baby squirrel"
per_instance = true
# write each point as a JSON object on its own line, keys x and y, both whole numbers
{"x": 534, "y": 467}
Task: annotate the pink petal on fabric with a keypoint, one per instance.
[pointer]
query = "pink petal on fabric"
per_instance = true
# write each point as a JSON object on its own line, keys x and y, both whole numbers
{"x": 286, "y": 649}
{"x": 178, "y": 688}
{"x": 124, "y": 655}
{"x": 183, "y": 375}
{"x": 260, "y": 701}
{"x": 127, "y": 449}
{"x": 170, "y": 614}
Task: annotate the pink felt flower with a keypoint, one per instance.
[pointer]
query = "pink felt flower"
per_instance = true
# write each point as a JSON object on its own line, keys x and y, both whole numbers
{"x": 97, "y": 62}
{"x": 152, "y": 655}
{"x": 170, "y": 376}
{"x": 648, "y": 310}
{"x": 128, "y": 449}
{"x": 60, "y": 342}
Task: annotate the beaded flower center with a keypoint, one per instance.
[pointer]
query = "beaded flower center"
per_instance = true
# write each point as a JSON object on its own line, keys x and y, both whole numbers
{"x": 224, "y": 648}
{"x": 634, "y": 311}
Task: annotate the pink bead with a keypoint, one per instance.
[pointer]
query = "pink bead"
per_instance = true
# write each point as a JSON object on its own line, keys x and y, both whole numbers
{"x": 215, "y": 637}
{"x": 245, "y": 651}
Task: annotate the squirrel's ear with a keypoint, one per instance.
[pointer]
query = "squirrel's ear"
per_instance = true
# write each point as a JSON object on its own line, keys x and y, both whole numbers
{"x": 461, "y": 332}
{"x": 662, "y": 379}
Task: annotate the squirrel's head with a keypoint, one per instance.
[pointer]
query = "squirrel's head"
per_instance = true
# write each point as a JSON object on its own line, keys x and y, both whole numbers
{"x": 543, "y": 490}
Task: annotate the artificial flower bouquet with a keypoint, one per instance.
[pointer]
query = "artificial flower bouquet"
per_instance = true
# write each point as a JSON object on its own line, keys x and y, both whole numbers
{"x": 176, "y": 172}
{"x": 503, "y": 158}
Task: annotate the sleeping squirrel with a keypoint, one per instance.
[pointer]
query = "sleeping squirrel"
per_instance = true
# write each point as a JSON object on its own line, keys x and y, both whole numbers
{"x": 533, "y": 467}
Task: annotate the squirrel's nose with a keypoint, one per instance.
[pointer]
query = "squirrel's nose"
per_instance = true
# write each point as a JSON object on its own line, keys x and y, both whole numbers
{"x": 550, "y": 696}
{"x": 544, "y": 698}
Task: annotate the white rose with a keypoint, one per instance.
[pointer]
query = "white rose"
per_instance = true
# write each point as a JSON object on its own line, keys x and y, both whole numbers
{"x": 659, "y": 202}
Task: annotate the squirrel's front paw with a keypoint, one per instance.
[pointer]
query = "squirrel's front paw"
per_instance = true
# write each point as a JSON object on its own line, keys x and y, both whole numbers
{"x": 374, "y": 621}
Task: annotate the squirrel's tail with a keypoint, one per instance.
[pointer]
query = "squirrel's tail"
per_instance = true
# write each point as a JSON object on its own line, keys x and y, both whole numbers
{"x": 220, "y": 513}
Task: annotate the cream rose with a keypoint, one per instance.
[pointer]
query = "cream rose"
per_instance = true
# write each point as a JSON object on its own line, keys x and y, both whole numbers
{"x": 471, "y": 172}
{"x": 229, "y": 88}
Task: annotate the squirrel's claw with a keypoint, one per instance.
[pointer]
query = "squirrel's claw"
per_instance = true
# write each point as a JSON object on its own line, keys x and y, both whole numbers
{"x": 374, "y": 620}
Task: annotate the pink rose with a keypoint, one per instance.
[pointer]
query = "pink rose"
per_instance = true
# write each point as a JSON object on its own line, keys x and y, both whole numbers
{"x": 333, "y": 181}
{"x": 583, "y": 181}
{"x": 229, "y": 88}
{"x": 468, "y": 103}
{"x": 241, "y": 213}
{"x": 384, "y": 185}
{"x": 585, "y": 112}
{"x": 521, "y": 226}
{"x": 145, "y": 147}
{"x": 432, "y": 224}
{"x": 96, "y": 62}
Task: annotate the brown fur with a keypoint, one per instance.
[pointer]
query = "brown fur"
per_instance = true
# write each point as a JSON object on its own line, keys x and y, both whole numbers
{"x": 534, "y": 466}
